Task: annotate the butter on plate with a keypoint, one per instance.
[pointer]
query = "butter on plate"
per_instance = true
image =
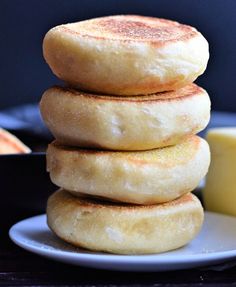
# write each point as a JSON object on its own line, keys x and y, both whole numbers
{"x": 219, "y": 193}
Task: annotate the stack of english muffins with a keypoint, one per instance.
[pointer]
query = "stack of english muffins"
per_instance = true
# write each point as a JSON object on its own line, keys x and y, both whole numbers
{"x": 126, "y": 156}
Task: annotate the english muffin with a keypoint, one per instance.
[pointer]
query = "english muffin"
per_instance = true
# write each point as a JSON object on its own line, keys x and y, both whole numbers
{"x": 131, "y": 123}
{"x": 144, "y": 177}
{"x": 126, "y": 54}
{"x": 122, "y": 228}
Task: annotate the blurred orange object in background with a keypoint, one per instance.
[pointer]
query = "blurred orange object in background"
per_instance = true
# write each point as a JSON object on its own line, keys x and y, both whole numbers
{"x": 9, "y": 144}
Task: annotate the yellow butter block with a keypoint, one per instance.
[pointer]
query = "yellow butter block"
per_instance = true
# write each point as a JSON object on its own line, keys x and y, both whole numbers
{"x": 219, "y": 193}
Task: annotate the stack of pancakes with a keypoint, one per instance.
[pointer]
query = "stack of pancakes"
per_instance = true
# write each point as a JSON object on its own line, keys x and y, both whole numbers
{"x": 126, "y": 155}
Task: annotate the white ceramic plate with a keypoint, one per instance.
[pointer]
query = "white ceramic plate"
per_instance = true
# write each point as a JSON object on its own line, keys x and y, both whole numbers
{"x": 215, "y": 244}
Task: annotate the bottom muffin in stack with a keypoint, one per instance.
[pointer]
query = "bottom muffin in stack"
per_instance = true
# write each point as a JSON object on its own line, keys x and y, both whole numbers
{"x": 124, "y": 228}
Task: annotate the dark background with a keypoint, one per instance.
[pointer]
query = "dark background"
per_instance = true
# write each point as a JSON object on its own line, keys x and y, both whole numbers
{"x": 24, "y": 75}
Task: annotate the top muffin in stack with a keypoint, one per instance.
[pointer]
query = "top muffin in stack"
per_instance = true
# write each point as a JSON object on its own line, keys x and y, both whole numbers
{"x": 142, "y": 124}
{"x": 126, "y": 55}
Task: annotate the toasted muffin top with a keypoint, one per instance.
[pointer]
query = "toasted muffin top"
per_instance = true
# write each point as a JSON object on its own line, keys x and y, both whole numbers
{"x": 95, "y": 203}
{"x": 187, "y": 91}
{"x": 132, "y": 28}
{"x": 165, "y": 157}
